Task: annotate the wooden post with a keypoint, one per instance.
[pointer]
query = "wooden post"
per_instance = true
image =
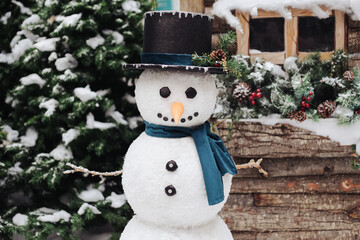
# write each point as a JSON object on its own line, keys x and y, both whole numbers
{"x": 291, "y": 37}
{"x": 340, "y": 30}
{"x": 243, "y": 38}
{"x": 192, "y": 6}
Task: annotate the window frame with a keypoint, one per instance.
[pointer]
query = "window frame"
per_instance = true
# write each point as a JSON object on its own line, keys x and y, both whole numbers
{"x": 291, "y": 34}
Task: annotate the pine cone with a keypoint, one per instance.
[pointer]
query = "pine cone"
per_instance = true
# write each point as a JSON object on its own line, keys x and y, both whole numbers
{"x": 291, "y": 115}
{"x": 300, "y": 116}
{"x": 349, "y": 75}
{"x": 218, "y": 55}
{"x": 242, "y": 91}
{"x": 326, "y": 108}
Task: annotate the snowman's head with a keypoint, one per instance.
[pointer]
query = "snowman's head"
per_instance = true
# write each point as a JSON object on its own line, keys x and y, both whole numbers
{"x": 175, "y": 98}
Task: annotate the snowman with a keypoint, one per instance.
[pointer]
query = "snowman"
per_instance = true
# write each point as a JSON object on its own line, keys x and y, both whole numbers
{"x": 177, "y": 174}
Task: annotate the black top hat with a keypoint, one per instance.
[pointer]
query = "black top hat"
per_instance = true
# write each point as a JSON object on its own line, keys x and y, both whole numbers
{"x": 170, "y": 39}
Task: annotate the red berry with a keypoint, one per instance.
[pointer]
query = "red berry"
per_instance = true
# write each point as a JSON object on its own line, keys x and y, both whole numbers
{"x": 302, "y": 109}
{"x": 311, "y": 93}
{"x": 307, "y": 105}
{"x": 303, "y": 103}
{"x": 216, "y": 65}
{"x": 258, "y": 90}
{"x": 253, "y": 94}
{"x": 308, "y": 98}
{"x": 253, "y": 103}
{"x": 251, "y": 98}
{"x": 258, "y": 95}
{"x": 303, "y": 98}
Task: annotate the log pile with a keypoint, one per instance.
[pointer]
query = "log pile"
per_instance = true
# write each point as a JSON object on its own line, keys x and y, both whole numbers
{"x": 312, "y": 191}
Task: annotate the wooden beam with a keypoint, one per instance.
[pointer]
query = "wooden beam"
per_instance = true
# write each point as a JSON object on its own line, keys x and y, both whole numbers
{"x": 243, "y": 38}
{"x": 340, "y": 32}
{"x": 294, "y": 12}
{"x": 291, "y": 37}
{"x": 192, "y": 6}
{"x": 273, "y": 57}
{"x": 323, "y": 55}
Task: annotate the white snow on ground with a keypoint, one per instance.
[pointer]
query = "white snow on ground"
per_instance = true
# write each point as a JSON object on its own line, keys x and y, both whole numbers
{"x": 52, "y": 57}
{"x": 91, "y": 195}
{"x": 17, "y": 51}
{"x": 117, "y": 116}
{"x": 16, "y": 169}
{"x": 33, "y": 78}
{"x": 118, "y": 38}
{"x": 70, "y": 135}
{"x": 84, "y": 94}
{"x": 223, "y": 8}
{"x": 131, "y": 6}
{"x": 29, "y": 140}
{"x": 12, "y": 135}
{"x": 61, "y": 153}
{"x": 134, "y": 121}
{"x": 20, "y": 219}
{"x": 47, "y": 45}
{"x": 55, "y": 217}
{"x": 68, "y": 21}
{"x": 50, "y": 106}
{"x": 344, "y": 134}
{"x": 4, "y": 19}
{"x": 23, "y": 9}
{"x": 66, "y": 62}
{"x": 95, "y": 41}
{"x": 117, "y": 200}
{"x": 84, "y": 206}
{"x": 91, "y": 123}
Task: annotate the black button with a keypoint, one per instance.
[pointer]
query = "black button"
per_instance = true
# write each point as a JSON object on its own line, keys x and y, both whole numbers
{"x": 170, "y": 190}
{"x": 171, "y": 166}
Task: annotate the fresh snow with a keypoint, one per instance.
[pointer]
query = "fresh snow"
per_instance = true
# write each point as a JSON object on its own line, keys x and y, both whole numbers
{"x": 95, "y": 41}
{"x": 223, "y": 8}
{"x": 91, "y": 195}
{"x": 91, "y": 123}
{"x": 12, "y": 135}
{"x": 52, "y": 57}
{"x": 33, "y": 19}
{"x": 344, "y": 134}
{"x": 70, "y": 135}
{"x": 20, "y": 219}
{"x": 118, "y": 38}
{"x": 48, "y": 3}
{"x": 17, "y": 51}
{"x": 117, "y": 116}
{"x": 43, "y": 211}
{"x": 47, "y": 45}
{"x": 68, "y": 21}
{"x": 134, "y": 121}
{"x": 4, "y": 19}
{"x": 129, "y": 98}
{"x": 84, "y": 206}
{"x": 33, "y": 78}
{"x": 131, "y": 6}
{"x": 290, "y": 64}
{"x": 50, "y": 106}
{"x": 16, "y": 169}
{"x": 117, "y": 200}
{"x": 29, "y": 140}
{"x": 66, "y": 62}
{"x": 55, "y": 217}
{"x": 61, "y": 153}
{"x": 23, "y": 9}
{"x": 84, "y": 94}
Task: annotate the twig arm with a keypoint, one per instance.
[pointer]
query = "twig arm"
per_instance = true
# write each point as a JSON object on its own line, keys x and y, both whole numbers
{"x": 253, "y": 164}
{"x": 92, "y": 173}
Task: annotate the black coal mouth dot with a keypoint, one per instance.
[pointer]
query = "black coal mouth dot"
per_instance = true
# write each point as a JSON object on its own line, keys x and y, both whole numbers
{"x": 182, "y": 120}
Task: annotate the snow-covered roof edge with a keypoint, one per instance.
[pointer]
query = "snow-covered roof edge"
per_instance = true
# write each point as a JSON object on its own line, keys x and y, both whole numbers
{"x": 223, "y": 8}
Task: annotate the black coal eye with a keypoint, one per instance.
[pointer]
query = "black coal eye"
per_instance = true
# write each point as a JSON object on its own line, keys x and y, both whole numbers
{"x": 190, "y": 92}
{"x": 165, "y": 92}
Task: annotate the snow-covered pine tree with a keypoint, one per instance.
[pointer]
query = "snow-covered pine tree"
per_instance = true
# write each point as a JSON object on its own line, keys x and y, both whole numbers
{"x": 65, "y": 98}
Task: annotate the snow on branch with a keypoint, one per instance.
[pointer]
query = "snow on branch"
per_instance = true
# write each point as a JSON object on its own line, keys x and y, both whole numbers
{"x": 223, "y": 8}
{"x": 253, "y": 164}
{"x": 92, "y": 173}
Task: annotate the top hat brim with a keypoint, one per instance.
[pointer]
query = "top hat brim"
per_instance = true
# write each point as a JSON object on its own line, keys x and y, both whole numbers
{"x": 140, "y": 66}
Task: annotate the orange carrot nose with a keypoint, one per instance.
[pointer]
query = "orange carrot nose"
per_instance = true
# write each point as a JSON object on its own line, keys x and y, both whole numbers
{"x": 177, "y": 110}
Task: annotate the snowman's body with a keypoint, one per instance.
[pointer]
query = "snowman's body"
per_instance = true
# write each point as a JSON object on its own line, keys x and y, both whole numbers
{"x": 163, "y": 179}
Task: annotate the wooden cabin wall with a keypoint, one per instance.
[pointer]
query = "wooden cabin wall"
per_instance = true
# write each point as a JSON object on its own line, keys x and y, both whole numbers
{"x": 354, "y": 43}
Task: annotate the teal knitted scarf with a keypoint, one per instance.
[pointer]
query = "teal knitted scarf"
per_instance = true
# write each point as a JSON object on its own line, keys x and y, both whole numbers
{"x": 214, "y": 158}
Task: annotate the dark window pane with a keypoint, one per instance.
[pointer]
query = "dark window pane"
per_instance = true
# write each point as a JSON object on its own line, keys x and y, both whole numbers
{"x": 267, "y": 35}
{"x": 316, "y": 35}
